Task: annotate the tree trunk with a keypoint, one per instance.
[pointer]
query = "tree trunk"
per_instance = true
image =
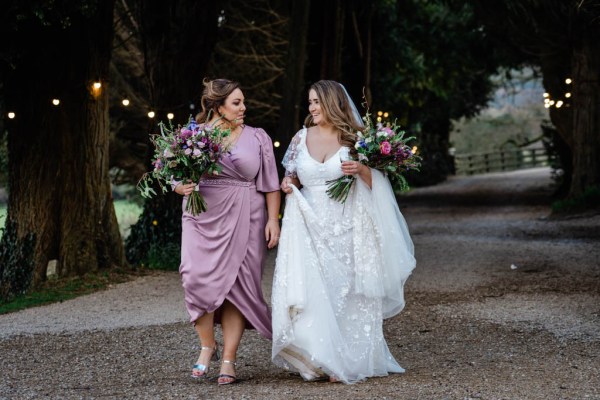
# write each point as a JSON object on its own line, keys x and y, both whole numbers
{"x": 58, "y": 169}
{"x": 292, "y": 84}
{"x": 586, "y": 116}
{"x": 332, "y": 41}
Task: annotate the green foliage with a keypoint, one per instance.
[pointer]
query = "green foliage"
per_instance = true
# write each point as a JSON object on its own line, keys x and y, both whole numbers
{"x": 431, "y": 64}
{"x": 590, "y": 199}
{"x": 164, "y": 256}
{"x": 16, "y": 262}
{"x": 156, "y": 237}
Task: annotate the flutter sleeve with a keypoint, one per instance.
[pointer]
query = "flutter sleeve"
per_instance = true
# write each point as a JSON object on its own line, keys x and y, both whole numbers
{"x": 289, "y": 159}
{"x": 267, "y": 179}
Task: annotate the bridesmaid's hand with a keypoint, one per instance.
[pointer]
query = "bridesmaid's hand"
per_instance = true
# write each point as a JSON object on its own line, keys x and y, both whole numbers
{"x": 185, "y": 189}
{"x": 272, "y": 232}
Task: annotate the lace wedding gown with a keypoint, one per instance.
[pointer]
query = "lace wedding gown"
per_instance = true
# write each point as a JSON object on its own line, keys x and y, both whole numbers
{"x": 340, "y": 271}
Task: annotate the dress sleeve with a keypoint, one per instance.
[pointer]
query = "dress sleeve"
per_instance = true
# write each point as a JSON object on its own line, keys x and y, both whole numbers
{"x": 267, "y": 179}
{"x": 289, "y": 159}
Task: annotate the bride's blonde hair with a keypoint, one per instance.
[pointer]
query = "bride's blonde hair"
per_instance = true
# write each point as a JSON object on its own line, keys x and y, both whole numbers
{"x": 336, "y": 110}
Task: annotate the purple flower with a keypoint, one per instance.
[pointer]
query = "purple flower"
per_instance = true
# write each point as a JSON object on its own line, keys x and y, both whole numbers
{"x": 186, "y": 133}
{"x": 187, "y": 151}
{"x": 197, "y": 152}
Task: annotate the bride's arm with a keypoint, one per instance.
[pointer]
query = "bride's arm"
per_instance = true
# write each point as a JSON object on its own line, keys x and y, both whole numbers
{"x": 356, "y": 168}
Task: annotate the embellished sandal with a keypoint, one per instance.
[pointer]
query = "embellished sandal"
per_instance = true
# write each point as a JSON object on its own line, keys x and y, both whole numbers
{"x": 201, "y": 370}
{"x": 225, "y": 379}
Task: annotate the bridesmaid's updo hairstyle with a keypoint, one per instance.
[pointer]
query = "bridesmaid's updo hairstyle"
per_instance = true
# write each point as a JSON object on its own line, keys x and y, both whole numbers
{"x": 213, "y": 96}
{"x": 337, "y": 111}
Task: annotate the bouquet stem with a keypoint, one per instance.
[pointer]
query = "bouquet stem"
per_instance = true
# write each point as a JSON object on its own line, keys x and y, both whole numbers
{"x": 338, "y": 189}
{"x": 195, "y": 203}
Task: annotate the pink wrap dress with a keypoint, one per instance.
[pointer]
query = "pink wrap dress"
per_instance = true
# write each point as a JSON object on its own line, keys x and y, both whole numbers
{"x": 223, "y": 248}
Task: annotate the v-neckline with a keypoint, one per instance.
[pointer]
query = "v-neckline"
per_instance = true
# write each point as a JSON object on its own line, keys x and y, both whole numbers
{"x": 231, "y": 146}
{"x": 314, "y": 159}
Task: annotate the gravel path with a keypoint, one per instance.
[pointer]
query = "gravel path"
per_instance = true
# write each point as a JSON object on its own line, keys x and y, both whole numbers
{"x": 504, "y": 304}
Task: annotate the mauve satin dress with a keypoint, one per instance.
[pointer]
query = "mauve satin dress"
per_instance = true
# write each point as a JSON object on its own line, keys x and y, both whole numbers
{"x": 223, "y": 248}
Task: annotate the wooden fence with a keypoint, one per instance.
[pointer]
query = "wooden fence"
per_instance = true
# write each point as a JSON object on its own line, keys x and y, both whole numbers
{"x": 469, "y": 164}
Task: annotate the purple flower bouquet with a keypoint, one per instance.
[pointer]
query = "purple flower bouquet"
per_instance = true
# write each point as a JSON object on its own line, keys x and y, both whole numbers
{"x": 382, "y": 147}
{"x": 184, "y": 154}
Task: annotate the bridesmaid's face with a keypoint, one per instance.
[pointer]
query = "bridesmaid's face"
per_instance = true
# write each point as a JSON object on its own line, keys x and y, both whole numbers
{"x": 314, "y": 107}
{"x": 234, "y": 108}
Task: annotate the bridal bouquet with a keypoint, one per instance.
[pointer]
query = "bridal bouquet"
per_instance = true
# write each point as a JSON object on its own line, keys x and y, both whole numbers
{"x": 382, "y": 147}
{"x": 184, "y": 154}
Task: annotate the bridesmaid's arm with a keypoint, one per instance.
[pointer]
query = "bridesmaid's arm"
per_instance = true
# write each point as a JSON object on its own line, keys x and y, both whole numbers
{"x": 272, "y": 228}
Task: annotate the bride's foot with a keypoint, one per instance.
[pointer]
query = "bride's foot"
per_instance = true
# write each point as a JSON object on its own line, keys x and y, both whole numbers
{"x": 202, "y": 366}
{"x": 227, "y": 374}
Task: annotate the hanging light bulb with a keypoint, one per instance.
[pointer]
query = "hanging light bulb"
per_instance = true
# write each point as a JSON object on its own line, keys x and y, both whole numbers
{"x": 567, "y": 95}
{"x": 170, "y": 115}
{"x": 11, "y": 115}
{"x": 559, "y": 104}
{"x": 276, "y": 143}
{"x": 151, "y": 114}
{"x": 385, "y": 115}
{"x": 568, "y": 81}
{"x": 96, "y": 89}
{"x": 55, "y": 102}
{"x": 125, "y": 102}
{"x": 546, "y": 94}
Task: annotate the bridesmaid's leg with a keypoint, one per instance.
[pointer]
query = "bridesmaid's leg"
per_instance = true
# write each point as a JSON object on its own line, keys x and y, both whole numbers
{"x": 204, "y": 327}
{"x": 233, "y": 324}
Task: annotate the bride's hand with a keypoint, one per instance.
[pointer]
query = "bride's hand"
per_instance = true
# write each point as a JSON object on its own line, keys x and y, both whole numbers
{"x": 285, "y": 185}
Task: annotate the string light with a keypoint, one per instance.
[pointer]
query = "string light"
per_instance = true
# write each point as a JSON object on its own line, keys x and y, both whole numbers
{"x": 125, "y": 102}
{"x": 151, "y": 114}
{"x": 379, "y": 113}
{"x": 414, "y": 149}
{"x": 567, "y": 95}
{"x": 55, "y": 102}
{"x": 385, "y": 115}
{"x": 378, "y": 119}
{"x": 559, "y": 104}
{"x": 276, "y": 144}
{"x": 96, "y": 89}
{"x": 547, "y": 105}
{"x": 568, "y": 81}
{"x": 11, "y": 115}
{"x": 170, "y": 115}
{"x": 546, "y": 94}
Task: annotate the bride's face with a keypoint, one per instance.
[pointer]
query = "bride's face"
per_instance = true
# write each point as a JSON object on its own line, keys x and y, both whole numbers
{"x": 314, "y": 108}
{"x": 234, "y": 108}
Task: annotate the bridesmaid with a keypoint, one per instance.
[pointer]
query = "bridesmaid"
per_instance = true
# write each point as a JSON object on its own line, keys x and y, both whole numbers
{"x": 223, "y": 248}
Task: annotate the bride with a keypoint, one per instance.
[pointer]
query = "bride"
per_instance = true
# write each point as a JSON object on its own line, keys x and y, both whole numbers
{"x": 340, "y": 267}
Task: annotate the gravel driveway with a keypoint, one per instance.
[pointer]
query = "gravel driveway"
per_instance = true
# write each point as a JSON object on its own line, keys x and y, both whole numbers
{"x": 504, "y": 304}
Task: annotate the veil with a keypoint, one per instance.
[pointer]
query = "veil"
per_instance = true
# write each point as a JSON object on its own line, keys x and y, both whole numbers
{"x": 357, "y": 117}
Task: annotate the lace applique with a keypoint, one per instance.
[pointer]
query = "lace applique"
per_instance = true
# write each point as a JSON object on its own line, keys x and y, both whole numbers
{"x": 289, "y": 159}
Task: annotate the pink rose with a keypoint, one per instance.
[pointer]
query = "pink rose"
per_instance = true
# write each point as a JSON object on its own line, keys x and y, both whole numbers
{"x": 385, "y": 147}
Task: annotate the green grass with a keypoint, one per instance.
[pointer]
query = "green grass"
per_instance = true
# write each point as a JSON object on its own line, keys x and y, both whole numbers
{"x": 58, "y": 290}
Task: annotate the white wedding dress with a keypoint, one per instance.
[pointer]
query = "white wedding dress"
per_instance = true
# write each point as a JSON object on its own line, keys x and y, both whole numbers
{"x": 340, "y": 271}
